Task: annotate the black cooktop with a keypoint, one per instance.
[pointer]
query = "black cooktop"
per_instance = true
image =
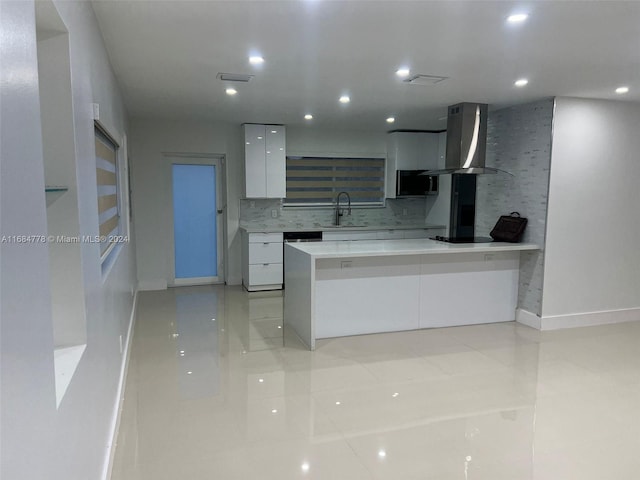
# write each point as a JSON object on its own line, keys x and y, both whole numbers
{"x": 462, "y": 239}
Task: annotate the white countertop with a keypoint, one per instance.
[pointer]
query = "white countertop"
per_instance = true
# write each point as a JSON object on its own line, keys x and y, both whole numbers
{"x": 331, "y": 228}
{"x": 423, "y": 246}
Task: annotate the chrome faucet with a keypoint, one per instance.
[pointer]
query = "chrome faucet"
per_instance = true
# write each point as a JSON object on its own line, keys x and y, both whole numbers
{"x": 338, "y": 212}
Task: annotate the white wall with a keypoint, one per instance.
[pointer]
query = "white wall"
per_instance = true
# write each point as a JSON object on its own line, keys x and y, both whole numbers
{"x": 592, "y": 260}
{"x": 27, "y": 390}
{"x": 38, "y": 441}
{"x": 151, "y": 184}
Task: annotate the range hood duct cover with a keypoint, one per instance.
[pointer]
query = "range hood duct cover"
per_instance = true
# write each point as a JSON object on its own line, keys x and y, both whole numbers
{"x": 466, "y": 140}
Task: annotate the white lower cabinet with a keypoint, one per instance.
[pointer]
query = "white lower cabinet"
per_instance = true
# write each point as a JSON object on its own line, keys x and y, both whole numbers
{"x": 262, "y": 261}
{"x": 264, "y": 253}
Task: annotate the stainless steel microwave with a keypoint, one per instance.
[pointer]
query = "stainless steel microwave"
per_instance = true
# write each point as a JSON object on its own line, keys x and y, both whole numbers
{"x": 409, "y": 183}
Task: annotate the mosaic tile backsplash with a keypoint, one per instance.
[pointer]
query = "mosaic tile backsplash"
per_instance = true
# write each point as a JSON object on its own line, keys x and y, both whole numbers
{"x": 519, "y": 141}
{"x": 396, "y": 212}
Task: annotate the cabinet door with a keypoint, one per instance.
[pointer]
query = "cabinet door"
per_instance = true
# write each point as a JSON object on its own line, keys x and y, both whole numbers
{"x": 275, "y": 161}
{"x": 267, "y": 274}
{"x": 429, "y": 151}
{"x": 265, "y": 253}
{"x": 442, "y": 150}
{"x": 413, "y": 150}
{"x": 405, "y": 149}
{"x": 259, "y": 237}
{"x": 254, "y": 161}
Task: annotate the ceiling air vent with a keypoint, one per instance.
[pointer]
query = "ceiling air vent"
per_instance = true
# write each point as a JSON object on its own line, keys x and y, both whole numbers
{"x": 234, "y": 77}
{"x": 424, "y": 79}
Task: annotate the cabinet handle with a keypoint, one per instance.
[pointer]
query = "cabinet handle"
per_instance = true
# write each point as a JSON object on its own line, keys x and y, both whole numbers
{"x": 265, "y": 264}
{"x": 265, "y": 243}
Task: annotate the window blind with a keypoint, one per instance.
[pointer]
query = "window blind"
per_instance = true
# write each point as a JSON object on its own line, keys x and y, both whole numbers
{"x": 317, "y": 180}
{"x": 107, "y": 178}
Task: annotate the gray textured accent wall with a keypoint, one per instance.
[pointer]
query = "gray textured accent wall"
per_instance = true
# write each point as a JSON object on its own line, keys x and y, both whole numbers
{"x": 396, "y": 212}
{"x": 519, "y": 141}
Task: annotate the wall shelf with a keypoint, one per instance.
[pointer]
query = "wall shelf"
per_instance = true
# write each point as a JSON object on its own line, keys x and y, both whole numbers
{"x": 53, "y": 192}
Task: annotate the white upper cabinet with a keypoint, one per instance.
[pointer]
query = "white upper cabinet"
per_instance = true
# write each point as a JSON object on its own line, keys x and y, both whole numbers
{"x": 410, "y": 151}
{"x": 264, "y": 161}
{"x": 275, "y": 161}
{"x": 442, "y": 150}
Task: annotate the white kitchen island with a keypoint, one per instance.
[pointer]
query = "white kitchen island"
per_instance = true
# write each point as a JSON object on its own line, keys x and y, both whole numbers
{"x": 334, "y": 289}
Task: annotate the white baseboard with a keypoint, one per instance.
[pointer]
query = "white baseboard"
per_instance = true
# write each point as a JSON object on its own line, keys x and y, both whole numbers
{"x": 117, "y": 414}
{"x": 150, "y": 285}
{"x": 528, "y": 318}
{"x": 589, "y": 319}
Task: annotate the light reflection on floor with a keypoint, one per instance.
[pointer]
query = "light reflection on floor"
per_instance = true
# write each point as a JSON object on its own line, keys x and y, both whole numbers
{"x": 219, "y": 389}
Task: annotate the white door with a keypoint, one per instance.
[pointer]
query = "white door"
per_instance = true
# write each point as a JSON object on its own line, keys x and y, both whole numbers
{"x": 197, "y": 220}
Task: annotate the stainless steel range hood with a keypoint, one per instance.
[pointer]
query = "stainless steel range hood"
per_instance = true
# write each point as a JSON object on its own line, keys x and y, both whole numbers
{"x": 466, "y": 141}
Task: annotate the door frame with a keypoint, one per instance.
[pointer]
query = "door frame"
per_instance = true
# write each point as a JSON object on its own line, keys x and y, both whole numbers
{"x": 210, "y": 159}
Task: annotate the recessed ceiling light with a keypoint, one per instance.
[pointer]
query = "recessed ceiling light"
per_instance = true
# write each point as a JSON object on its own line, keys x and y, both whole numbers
{"x": 517, "y": 18}
{"x": 621, "y": 90}
{"x": 521, "y": 83}
{"x": 403, "y": 72}
{"x": 231, "y": 91}
{"x": 256, "y": 60}
{"x": 345, "y": 99}
{"x": 391, "y": 119}
{"x": 305, "y": 467}
{"x": 308, "y": 116}
{"x": 382, "y": 453}
{"x": 274, "y": 411}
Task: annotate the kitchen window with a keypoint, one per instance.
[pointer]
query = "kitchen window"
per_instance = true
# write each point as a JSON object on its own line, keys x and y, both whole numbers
{"x": 315, "y": 181}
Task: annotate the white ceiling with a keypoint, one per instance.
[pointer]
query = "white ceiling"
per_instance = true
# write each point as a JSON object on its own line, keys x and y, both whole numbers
{"x": 166, "y": 55}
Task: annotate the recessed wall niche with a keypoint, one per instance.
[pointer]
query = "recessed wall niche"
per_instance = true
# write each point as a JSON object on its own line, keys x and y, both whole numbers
{"x": 58, "y": 144}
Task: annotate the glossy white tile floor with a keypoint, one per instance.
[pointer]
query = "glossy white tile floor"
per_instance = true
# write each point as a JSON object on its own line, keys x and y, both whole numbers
{"x": 217, "y": 389}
